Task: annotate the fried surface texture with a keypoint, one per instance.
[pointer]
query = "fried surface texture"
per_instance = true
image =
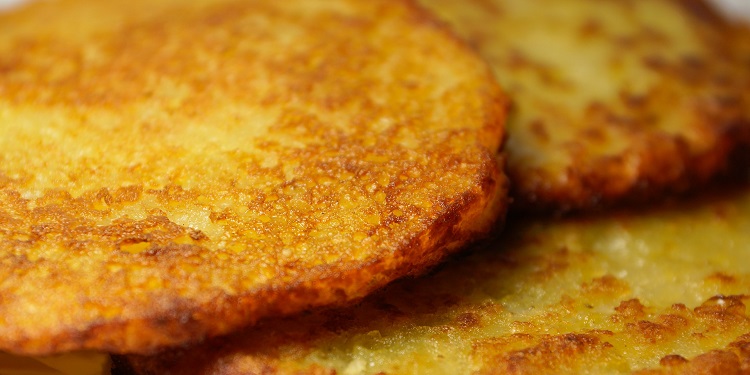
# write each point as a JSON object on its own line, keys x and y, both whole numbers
{"x": 614, "y": 100}
{"x": 173, "y": 170}
{"x": 659, "y": 291}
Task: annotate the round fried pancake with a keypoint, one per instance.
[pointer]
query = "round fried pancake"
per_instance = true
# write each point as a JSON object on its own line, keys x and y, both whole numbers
{"x": 664, "y": 290}
{"x": 614, "y": 100}
{"x": 172, "y": 170}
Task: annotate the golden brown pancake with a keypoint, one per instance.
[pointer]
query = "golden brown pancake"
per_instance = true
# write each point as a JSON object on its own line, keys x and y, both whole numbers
{"x": 663, "y": 290}
{"x": 614, "y": 100}
{"x": 173, "y": 170}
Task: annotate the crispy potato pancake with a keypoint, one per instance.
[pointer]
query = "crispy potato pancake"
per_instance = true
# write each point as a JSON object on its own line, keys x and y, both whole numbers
{"x": 614, "y": 100}
{"x": 173, "y": 170}
{"x": 660, "y": 291}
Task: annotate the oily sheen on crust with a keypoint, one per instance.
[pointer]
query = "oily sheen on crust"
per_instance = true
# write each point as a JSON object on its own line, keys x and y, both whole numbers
{"x": 174, "y": 170}
{"x": 613, "y": 100}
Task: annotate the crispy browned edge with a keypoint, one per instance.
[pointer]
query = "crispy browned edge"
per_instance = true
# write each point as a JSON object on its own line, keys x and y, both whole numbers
{"x": 190, "y": 324}
{"x": 468, "y": 218}
{"x": 667, "y": 167}
{"x": 537, "y": 354}
{"x": 451, "y": 221}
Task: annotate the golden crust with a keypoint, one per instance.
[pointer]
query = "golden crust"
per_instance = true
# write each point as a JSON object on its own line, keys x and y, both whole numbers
{"x": 663, "y": 291}
{"x": 173, "y": 170}
{"x": 614, "y": 100}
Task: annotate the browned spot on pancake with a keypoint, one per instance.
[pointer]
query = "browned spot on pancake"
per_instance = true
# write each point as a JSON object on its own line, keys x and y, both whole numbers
{"x": 722, "y": 278}
{"x": 724, "y": 311}
{"x": 674, "y": 322}
{"x": 628, "y": 311}
{"x": 649, "y": 331}
{"x": 552, "y": 352}
{"x": 605, "y": 285}
{"x": 468, "y": 320}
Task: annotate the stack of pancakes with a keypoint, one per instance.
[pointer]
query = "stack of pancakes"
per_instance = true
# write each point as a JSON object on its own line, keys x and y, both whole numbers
{"x": 374, "y": 186}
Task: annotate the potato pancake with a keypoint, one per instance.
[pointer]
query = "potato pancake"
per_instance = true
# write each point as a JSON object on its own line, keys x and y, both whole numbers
{"x": 663, "y": 290}
{"x": 614, "y": 100}
{"x": 173, "y": 170}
